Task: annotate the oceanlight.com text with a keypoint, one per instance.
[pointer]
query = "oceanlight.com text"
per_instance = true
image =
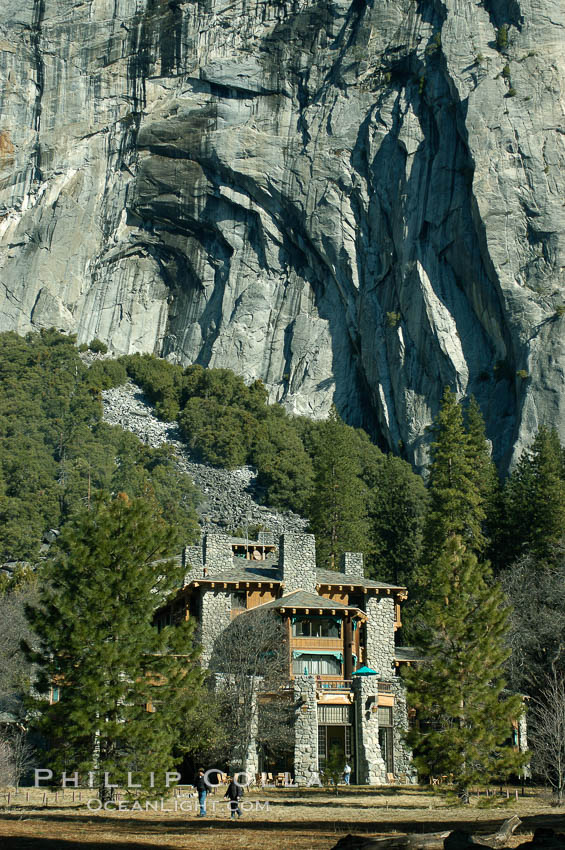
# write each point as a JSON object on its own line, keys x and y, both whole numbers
{"x": 171, "y": 806}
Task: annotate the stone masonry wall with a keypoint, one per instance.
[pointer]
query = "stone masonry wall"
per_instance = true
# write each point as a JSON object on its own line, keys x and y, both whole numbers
{"x": 297, "y": 559}
{"x": 306, "y": 731}
{"x": 371, "y": 768}
{"x": 218, "y": 554}
{"x": 402, "y": 753}
{"x": 193, "y": 561}
{"x": 266, "y": 537}
{"x": 216, "y": 616}
{"x": 251, "y": 764}
{"x": 380, "y": 635}
{"x": 351, "y": 564}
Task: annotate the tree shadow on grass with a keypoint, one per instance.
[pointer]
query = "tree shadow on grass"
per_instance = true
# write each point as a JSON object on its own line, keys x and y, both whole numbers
{"x": 152, "y": 828}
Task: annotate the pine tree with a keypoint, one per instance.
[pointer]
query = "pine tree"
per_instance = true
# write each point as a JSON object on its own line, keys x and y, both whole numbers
{"x": 456, "y": 501}
{"x": 96, "y": 641}
{"x": 483, "y": 470}
{"x": 464, "y": 717}
{"x": 398, "y": 504}
{"x": 337, "y": 513}
{"x": 534, "y": 501}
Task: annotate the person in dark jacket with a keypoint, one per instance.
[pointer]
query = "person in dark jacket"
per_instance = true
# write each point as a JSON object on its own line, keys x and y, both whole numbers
{"x": 234, "y": 794}
{"x": 202, "y": 789}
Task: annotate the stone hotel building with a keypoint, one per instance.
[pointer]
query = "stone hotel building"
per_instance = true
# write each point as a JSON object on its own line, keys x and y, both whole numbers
{"x": 336, "y": 622}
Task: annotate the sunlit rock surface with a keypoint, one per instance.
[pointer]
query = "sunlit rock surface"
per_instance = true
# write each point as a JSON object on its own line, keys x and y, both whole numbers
{"x": 359, "y": 202}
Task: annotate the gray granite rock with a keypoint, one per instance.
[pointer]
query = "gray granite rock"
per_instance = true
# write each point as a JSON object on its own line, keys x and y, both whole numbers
{"x": 359, "y": 202}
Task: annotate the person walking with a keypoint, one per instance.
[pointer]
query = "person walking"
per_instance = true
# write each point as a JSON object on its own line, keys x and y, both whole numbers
{"x": 347, "y": 773}
{"x": 202, "y": 789}
{"x": 234, "y": 793}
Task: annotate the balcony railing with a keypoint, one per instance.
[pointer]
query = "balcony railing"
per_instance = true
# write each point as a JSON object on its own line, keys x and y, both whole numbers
{"x": 334, "y": 684}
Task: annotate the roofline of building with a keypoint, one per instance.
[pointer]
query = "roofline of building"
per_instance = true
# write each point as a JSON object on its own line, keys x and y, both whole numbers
{"x": 390, "y": 590}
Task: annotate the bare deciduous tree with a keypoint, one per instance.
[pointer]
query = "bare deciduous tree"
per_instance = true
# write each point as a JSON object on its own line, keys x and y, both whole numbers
{"x": 16, "y": 756}
{"x": 536, "y": 592}
{"x": 6, "y": 764}
{"x": 547, "y": 734}
{"x": 15, "y": 670}
{"x": 250, "y": 665}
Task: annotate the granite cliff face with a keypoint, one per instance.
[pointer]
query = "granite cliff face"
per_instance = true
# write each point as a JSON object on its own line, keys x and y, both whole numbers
{"x": 351, "y": 200}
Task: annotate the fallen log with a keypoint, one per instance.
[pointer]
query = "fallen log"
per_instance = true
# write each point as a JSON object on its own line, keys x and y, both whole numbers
{"x": 456, "y": 840}
{"x": 426, "y": 841}
{"x": 500, "y": 838}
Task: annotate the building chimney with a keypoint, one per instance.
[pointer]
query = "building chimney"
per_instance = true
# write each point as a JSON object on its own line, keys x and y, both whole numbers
{"x": 218, "y": 553}
{"x": 352, "y": 565}
{"x": 297, "y": 561}
{"x": 267, "y": 538}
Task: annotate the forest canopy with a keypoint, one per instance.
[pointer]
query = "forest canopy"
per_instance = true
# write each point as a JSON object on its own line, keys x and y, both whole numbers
{"x": 56, "y": 452}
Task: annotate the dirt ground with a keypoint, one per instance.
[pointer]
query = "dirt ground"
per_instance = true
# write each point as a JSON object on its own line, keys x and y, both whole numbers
{"x": 312, "y": 819}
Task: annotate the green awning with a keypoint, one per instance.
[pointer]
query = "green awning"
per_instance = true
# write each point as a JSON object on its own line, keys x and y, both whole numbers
{"x": 365, "y": 671}
{"x": 296, "y": 653}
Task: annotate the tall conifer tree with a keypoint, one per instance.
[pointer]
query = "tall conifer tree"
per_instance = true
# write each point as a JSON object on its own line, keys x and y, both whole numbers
{"x": 337, "y": 513}
{"x": 97, "y": 644}
{"x": 483, "y": 470}
{"x": 464, "y": 717}
{"x": 456, "y": 502}
{"x": 534, "y": 501}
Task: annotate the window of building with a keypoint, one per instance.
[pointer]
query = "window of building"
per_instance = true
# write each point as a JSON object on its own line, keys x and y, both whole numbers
{"x": 386, "y": 736}
{"x": 312, "y": 664}
{"x": 239, "y": 601}
{"x": 322, "y": 750}
{"x": 316, "y": 627}
{"x": 165, "y": 619}
{"x": 335, "y": 715}
{"x": 385, "y": 715}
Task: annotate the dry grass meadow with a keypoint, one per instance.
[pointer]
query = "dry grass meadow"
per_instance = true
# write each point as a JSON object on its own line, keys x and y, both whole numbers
{"x": 312, "y": 819}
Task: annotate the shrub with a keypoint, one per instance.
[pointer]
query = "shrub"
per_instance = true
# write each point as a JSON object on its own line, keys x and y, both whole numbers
{"x": 105, "y": 374}
{"x": 434, "y": 45}
{"x": 83, "y": 347}
{"x": 502, "y": 37}
{"x": 98, "y": 346}
{"x": 220, "y": 434}
{"x": 392, "y": 319}
{"x": 560, "y": 310}
{"x": 521, "y": 373}
{"x": 506, "y": 71}
{"x": 161, "y": 381}
{"x": 511, "y": 92}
